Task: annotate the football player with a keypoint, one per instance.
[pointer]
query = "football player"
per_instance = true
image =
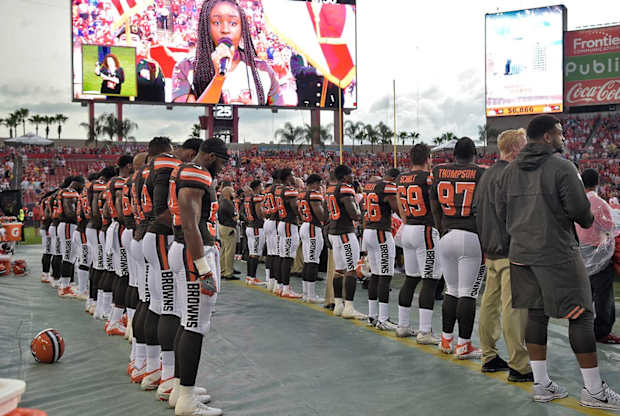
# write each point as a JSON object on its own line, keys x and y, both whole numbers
{"x": 419, "y": 240}
{"x": 196, "y": 267}
{"x": 343, "y": 210}
{"x": 461, "y": 259}
{"x": 379, "y": 202}
{"x": 66, "y": 228}
{"x": 271, "y": 233}
{"x": 46, "y": 239}
{"x": 288, "y": 231}
{"x": 313, "y": 215}
{"x": 254, "y": 215}
{"x": 55, "y": 214}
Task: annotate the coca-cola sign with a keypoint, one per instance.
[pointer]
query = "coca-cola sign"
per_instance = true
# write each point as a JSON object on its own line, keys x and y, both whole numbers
{"x": 592, "y": 65}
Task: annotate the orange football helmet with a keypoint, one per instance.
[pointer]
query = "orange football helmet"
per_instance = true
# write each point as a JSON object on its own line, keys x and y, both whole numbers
{"x": 47, "y": 346}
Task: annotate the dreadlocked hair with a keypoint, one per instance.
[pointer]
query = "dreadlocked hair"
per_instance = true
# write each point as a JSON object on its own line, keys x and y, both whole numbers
{"x": 203, "y": 66}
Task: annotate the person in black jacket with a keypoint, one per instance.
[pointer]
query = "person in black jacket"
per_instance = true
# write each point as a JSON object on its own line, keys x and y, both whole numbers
{"x": 539, "y": 198}
{"x": 497, "y": 294}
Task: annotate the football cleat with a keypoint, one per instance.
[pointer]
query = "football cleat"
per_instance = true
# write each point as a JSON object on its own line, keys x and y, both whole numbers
{"x": 605, "y": 399}
{"x": 270, "y": 285}
{"x": 371, "y": 322}
{"x": 339, "y": 308}
{"x": 138, "y": 374}
{"x": 315, "y": 300}
{"x": 92, "y": 308}
{"x": 66, "y": 292}
{"x": 253, "y": 281}
{"x": 427, "y": 338}
{"x": 151, "y": 380}
{"x": 278, "y": 292}
{"x": 54, "y": 283}
{"x": 44, "y": 278}
{"x": 349, "y": 312}
{"x": 190, "y": 405}
{"x": 289, "y": 294}
{"x": 199, "y": 392}
{"x": 467, "y": 352}
{"x": 445, "y": 345}
{"x": 116, "y": 329}
{"x": 82, "y": 296}
{"x": 386, "y": 325}
{"x": 544, "y": 394}
{"x": 130, "y": 367}
{"x": 404, "y": 332}
{"x": 165, "y": 388}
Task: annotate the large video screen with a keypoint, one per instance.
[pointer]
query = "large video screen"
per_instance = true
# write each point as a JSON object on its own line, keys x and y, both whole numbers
{"x": 524, "y": 61}
{"x": 276, "y": 53}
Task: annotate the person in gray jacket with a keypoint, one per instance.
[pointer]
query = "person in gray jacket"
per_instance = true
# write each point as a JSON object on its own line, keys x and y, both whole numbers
{"x": 539, "y": 197}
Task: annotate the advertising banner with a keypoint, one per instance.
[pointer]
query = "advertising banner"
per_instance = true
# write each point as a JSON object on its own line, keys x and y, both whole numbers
{"x": 592, "y": 66}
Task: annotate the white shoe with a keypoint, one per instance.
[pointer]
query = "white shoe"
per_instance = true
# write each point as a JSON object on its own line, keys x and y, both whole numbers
{"x": 403, "y": 332}
{"x": 349, "y": 312}
{"x": 151, "y": 380}
{"x": 54, "y": 283}
{"x": 605, "y": 399}
{"x": 315, "y": 300}
{"x": 199, "y": 392}
{"x": 427, "y": 338}
{"x": 165, "y": 388}
{"x": 544, "y": 394}
{"x": 467, "y": 352}
{"x": 339, "y": 308}
{"x": 270, "y": 284}
{"x": 386, "y": 325}
{"x": 188, "y": 404}
{"x": 129, "y": 331}
{"x": 82, "y": 296}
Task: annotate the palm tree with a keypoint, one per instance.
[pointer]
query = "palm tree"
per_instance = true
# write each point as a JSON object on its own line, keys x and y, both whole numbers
{"x": 485, "y": 132}
{"x": 289, "y": 134}
{"x": 47, "y": 120}
{"x": 12, "y": 122}
{"x": 413, "y": 136}
{"x": 93, "y": 135}
{"x": 36, "y": 120}
{"x": 385, "y": 134}
{"x": 125, "y": 127}
{"x": 371, "y": 135}
{"x": 108, "y": 125}
{"x": 444, "y": 138}
{"x": 322, "y": 132}
{"x": 22, "y": 113}
{"x": 60, "y": 119}
{"x": 195, "y": 134}
{"x": 353, "y": 130}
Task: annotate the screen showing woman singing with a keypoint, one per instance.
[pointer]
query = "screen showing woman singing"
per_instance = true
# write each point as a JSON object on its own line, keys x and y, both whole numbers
{"x": 283, "y": 53}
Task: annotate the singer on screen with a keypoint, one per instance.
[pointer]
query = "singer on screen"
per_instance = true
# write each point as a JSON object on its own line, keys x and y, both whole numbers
{"x": 225, "y": 69}
{"x": 111, "y": 73}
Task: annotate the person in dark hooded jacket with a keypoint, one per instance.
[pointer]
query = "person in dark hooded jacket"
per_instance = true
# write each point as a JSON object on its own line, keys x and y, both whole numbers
{"x": 539, "y": 198}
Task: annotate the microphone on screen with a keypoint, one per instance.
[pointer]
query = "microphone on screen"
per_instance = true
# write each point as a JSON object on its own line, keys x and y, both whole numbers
{"x": 224, "y": 61}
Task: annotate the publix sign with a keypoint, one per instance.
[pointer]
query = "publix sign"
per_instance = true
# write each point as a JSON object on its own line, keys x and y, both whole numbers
{"x": 592, "y": 66}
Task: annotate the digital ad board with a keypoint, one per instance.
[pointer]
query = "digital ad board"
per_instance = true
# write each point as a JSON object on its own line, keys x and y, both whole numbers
{"x": 524, "y": 61}
{"x": 592, "y": 66}
{"x": 274, "y": 53}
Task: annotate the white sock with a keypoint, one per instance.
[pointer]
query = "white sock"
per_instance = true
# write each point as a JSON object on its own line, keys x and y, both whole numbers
{"x": 82, "y": 280}
{"x": 404, "y": 320}
{"x": 383, "y": 311}
{"x": 462, "y": 341}
{"x": 304, "y": 286}
{"x": 311, "y": 289}
{"x": 592, "y": 379}
{"x": 107, "y": 303}
{"x": 132, "y": 351}
{"x": 167, "y": 365}
{"x": 130, "y": 314}
{"x": 139, "y": 356}
{"x": 426, "y": 320}
{"x": 338, "y": 301}
{"x": 99, "y": 304}
{"x": 285, "y": 289}
{"x": 348, "y": 304}
{"x": 65, "y": 282}
{"x": 117, "y": 314}
{"x": 267, "y": 275}
{"x": 539, "y": 369}
{"x": 372, "y": 309}
{"x": 152, "y": 357}
{"x": 447, "y": 336}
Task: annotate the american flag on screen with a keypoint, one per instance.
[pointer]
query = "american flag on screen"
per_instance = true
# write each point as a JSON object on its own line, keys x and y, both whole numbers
{"x": 127, "y": 8}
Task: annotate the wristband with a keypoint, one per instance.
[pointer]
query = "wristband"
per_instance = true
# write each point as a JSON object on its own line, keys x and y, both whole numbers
{"x": 202, "y": 267}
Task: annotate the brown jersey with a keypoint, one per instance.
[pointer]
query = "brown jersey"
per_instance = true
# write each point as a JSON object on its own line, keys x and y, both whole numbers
{"x": 453, "y": 187}
{"x": 377, "y": 211}
{"x": 285, "y": 196}
{"x": 249, "y": 208}
{"x": 159, "y": 182}
{"x": 306, "y": 213}
{"x": 339, "y": 220}
{"x": 271, "y": 210}
{"x": 413, "y": 194}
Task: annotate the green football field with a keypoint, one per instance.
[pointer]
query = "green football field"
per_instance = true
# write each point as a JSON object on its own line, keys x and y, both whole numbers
{"x": 92, "y": 83}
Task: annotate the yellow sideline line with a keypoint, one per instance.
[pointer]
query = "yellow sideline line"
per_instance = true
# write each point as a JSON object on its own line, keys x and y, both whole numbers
{"x": 569, "y": 402}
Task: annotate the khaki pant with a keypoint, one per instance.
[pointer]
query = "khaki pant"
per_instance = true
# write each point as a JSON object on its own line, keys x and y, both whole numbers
{"x": 298, "y": 265}
{"x": 497, "y": 293}
{"x": 329, "y": 282}
{"x": 228, "y": 237}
